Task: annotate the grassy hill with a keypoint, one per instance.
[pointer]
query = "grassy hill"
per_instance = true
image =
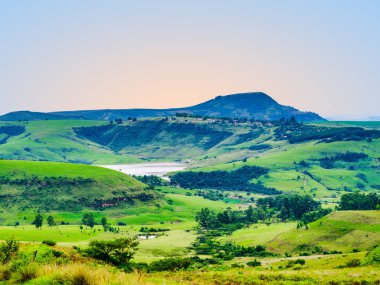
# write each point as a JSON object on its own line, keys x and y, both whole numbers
{"x": 340, "y": 231}
{"x": 50, "y": 186}
{"x": 302, "y": 158}
{"x": 49, "y": 140}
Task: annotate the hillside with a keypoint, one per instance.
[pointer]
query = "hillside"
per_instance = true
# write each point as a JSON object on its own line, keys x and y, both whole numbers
{"x": 340, "y": 231}
{"x": 254, "y": 105}
{"x": 304, "y": 158}
{"x": 50, "y": 140}
{"x": 49, "y": 186}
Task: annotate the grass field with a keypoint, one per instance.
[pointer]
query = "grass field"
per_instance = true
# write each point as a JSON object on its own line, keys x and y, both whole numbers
{"x": 258, "y": 234}
{"x": 317, "y": 271}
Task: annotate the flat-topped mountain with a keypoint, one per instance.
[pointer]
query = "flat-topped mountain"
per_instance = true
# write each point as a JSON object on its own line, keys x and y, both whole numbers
{"x": 255, "y": 105}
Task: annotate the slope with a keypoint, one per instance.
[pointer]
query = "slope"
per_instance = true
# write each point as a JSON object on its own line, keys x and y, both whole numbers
{"x": 339, "y": 231}
{"x": 49, "y": 186}
{"x": 50, "y": 140}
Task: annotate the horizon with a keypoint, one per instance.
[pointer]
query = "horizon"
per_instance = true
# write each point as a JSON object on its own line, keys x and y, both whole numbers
{"x": 88, "y": 55}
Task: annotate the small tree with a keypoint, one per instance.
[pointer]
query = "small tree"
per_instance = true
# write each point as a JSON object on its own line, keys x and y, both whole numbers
{"x": 50, "y": 221}
{"x": 38, "y": 220}
{"x": 118, "y": 252}
{"x": 206, "y": 218}
{"x": 88, "y": 220}
{"x": 104, "y": 223}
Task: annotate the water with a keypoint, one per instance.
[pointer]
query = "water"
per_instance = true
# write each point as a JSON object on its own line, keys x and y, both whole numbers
{"x": 160, "y": 169}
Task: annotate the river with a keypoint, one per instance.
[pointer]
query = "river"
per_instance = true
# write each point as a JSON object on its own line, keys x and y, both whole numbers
{"x": 160, "y": 169}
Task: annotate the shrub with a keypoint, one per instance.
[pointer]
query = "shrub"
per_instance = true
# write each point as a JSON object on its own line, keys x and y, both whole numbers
{"x": 300, "y": 261}
{"x": 254, "y": 263}
{"x": 170, "y": 264}
{"x": 8, "y": 250}
{"x": 25, "y": 273}
{"x": 49, "y": 242}
{"x": 373, "y": 257}
{"x": 353, "y": 263}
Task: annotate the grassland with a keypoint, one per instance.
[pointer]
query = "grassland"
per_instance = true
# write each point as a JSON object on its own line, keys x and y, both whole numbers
{"x": 258, "y": 234}
{"x": 79, "y": 270}
{"x": 340, "y": 231}
{"x": 228, "y": 147}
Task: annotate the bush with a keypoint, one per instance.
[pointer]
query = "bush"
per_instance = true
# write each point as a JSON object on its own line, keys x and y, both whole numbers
{"x": 170, "y": 264}
{"x": 254, "y": 263}
{"x": 8, "y": 250}
{"x": 118, "y": 252}
{"x": 373, "y": 257}
{"x": 298, "y": 262}
{"x": 25, "y": 273}
{"x": 49, "y": 242}
{"x": 353, "y": 263}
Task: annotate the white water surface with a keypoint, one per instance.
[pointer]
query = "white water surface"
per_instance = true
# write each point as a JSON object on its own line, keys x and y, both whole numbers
{"x": 160, "y": 169}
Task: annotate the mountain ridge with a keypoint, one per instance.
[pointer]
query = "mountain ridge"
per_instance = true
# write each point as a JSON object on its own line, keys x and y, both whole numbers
{"x": 252, "y": 105}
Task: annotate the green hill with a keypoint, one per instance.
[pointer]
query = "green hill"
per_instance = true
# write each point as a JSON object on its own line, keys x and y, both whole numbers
{"x": 49, "y": 140}
{"x": 323, "y": 160}
{"x": 339, "y": 231}
{"x": 50, "y": 186}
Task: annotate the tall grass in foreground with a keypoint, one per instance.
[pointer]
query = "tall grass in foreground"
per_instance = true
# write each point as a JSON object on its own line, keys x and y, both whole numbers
{"x": 89, "y": 274}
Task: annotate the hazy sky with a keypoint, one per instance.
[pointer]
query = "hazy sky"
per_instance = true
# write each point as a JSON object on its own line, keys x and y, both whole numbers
{"x": 322, "y": 56}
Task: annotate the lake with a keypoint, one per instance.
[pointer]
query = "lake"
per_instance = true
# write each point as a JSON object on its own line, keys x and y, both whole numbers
{"x": 160, "y": 169}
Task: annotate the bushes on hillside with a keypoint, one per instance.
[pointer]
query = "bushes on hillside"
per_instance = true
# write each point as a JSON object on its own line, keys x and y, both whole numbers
{"x": 373, "y": 257}
{"x": 290, "y": 206}
{"x": 329, "y": 162}
{"x": 238, "y": 179}
{"x": 296, "y": 133}
{"x": 359, "y": 201}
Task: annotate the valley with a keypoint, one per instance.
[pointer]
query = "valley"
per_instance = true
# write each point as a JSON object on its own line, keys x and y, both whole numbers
{"x": 204, "y": 197}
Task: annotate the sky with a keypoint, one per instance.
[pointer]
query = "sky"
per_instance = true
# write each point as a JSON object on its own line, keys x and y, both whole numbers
{"x": 321, "y": 56}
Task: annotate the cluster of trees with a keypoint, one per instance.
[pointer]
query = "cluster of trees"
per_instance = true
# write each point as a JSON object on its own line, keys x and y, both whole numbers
{"x": 153, "y": 230}
{"x": 151, "y": 180}
{"x": 207, "y": 245}
{"x": 262, "y": 146}
{"x": 289, "y": 207}
{"x": 35, "y": 181}
{"x": 39, "y": 220}
{"x": 212, "y": 195}
{"x": 296, "y": 132}
{"x": 120, "y": 121}
{"x": 282, "y": 207}
{"x": 359, "y": 201}
{"x": 238, "y": 179}
{"x": 329, "y": 162}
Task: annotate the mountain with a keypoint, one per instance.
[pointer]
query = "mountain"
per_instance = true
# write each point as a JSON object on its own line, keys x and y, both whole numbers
{"x": 34, "y": 116}
{"x": 255, "y": 105}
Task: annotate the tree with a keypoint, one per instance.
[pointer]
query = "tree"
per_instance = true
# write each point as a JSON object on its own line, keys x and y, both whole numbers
{"x": 88, "y": 220}
{"x": 38, "y": 220}
{"x": 104, "y": 223}
{"x": 50, "y": 221}
{"x": 206, "y": 218}
{"x": 118, "y": 252}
